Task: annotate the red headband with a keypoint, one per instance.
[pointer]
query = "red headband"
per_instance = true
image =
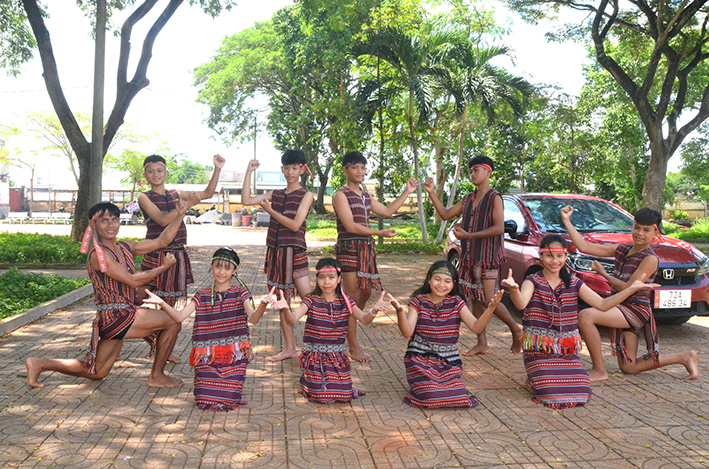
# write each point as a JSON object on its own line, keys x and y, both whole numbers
{"x": 89, "y": 236}
{"x": 486, "y": 166}
{"x": 552, "y": 250}
{"x": 659, "y": 236}
{"x": 330, "y": 268}
{"x": 308, "y": 169}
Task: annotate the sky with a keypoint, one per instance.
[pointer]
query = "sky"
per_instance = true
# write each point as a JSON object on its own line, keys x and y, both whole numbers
{"x": 167, "y": 106}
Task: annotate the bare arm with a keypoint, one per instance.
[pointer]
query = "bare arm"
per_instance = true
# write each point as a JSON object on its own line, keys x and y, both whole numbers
{"x": 176, "y": 315}
{"x": 407, "y": 322}
{"x": 255, "y": 315}
{"x": 600, "y": 250}
{"x": 288, "y": 314}
{"x": 389, "y": 210}
{"x": 497, "y": 228}
{"x": 647, "y": 267}
{"x": 594, "y": 300}
{"x": 344, "y": 213}
{"x": 520, "y": 296}
{"x": 246, "y": 197}
{"x": 168, "y": 234}
{"x": 367, "y": 318}
{"x": 119, "y": 273}
{"x": 478, "y": 325}
{"x": 151, "y": 210}
{"x": 295, "y": 223}
{"x": 445, "y": 213}
{"x": 208, "y": 192}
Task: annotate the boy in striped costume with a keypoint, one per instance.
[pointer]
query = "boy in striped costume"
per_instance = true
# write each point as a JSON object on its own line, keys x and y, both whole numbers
{"x": 481, "y": 233}
{"x": 355, "y": 245}
{"x": 286, "y": 265}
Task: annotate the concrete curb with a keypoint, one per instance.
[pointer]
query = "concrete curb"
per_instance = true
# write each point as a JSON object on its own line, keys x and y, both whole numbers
{"x": 15, "y": 322}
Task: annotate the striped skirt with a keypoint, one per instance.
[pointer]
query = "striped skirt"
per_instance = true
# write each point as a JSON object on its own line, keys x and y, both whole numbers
{"x": 171, "y": 285}
{"x": 358, "y": 255}
{"x": 218, "y": 388}
{"x": 435, "y": 383}
{"x": 326, "y": 377}
{"x": 558, "y": 382}
{"x": 282, "y": 266}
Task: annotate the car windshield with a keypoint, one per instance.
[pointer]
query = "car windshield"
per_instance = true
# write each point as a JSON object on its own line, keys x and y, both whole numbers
{"x": 590, "y": 216}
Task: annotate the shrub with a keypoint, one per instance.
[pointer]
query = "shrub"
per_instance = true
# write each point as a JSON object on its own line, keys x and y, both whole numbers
{"x": 33, "y": 248}
{"x": 698, "y": 233}
{"x": 679, "y": 215}
{"x": 20, "y": 292}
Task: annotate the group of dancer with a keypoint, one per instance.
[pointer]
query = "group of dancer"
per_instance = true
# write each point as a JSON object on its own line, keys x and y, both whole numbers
{"x": 550, "y": 336}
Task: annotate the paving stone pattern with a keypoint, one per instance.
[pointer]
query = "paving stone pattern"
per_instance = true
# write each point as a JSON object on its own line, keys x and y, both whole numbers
{"x": 653, "y": 420}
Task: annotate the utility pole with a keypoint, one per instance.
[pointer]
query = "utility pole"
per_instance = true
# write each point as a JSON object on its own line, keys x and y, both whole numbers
{"x": 96, "y": 168}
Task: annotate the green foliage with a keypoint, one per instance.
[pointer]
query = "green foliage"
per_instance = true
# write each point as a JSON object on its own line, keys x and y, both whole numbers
{"x": 670, "y": 228}
{"x": 327, "y": 229}
{"x": 16, "y": 39}
{"x": 185, "y": 171}
{"x": 31, "y": 248}
{"x": 679, "y": 215}
{"x": 20, "y": 292}
{"x": 698, "y": 233}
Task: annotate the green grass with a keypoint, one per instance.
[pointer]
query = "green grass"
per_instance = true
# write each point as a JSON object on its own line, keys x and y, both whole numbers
{"x": 327, "y": 229}
{"x": 20, "y": 292}
{"x": 42, "y": 249}
{"x": 698, "y": 233}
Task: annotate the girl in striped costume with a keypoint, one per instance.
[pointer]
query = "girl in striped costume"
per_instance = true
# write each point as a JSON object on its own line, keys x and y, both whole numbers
{"x": 433, "y": 365}
{"x": 323, "y": 360}
{"x": 221, "y": 348}
{"x": 551, "y": 343}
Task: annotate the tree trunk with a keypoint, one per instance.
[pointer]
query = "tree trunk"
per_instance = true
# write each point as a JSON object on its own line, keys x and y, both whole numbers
{"x": 29, "y": 212}
{"x": 456, "y": 177}
{"x": 81, "y": 209}
{"x": 96, "y": 169}
{"x": 654, "y": 185}
{"x": 417, "y": 172}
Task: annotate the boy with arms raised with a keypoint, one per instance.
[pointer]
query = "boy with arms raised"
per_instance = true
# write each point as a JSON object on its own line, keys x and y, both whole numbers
{"x": 355, "y": 245}
{"x": 481, "y": 235}
{"x": 286, "y": 263}
{"x": 158, "y": 205}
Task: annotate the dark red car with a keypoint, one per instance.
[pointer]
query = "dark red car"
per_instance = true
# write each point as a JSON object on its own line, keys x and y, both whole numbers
{"x": 683, "y": 271}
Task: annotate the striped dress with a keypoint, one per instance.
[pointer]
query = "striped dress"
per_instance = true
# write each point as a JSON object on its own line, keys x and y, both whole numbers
{"x": 325, "y": 367}
{"x": 433, "y": 366}
{"x": 221, "y": 348}
{"x": 551, "y": 344}
{"x": 171, "y": 285}
{"x": 115, "y": 309}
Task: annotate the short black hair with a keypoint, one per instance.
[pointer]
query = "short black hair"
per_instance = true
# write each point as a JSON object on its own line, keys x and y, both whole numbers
{"x": 154, "y": 159}
{"x": 102, "y": 207}
{"x": 228, "y": 253}
{"x": 648, "y": 216}
{"x": 291, "y": 156}
{"x": 353, "y": 157}
{"x": 481, "y": 160}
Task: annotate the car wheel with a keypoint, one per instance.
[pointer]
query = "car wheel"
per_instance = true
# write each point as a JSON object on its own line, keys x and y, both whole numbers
{"x": 454, "y": 258}
{"x": 673, "y": 321}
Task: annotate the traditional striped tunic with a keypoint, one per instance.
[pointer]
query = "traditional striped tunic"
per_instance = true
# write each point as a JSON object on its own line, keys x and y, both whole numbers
{"x": 551, "y": 344}
{"x": 637, "y": 308}
{"x": 221, "y": 348}
{"x": 480, "y": 253}
{"x": 433, "y": 366}
{"x": 286, "y": 257}
{"x": 171, "y": 285}
{"x": 115, "y": 308}
{"x": 356, "y": 252}
{"x": 323, "y": 360}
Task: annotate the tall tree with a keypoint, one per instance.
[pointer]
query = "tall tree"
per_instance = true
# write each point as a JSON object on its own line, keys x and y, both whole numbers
{"x": 666, "y": 76}
{"x": 126, "y": 89}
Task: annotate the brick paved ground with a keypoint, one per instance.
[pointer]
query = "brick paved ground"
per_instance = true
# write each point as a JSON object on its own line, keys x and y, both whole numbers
{"x": 651, "y": 420}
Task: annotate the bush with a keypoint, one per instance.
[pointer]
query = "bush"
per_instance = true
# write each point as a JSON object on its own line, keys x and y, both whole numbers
{"x": 32, "y": 248}
{"x": 679, "y": 215}
{"x": 698, "y": 233}
{"x": 20, "y": 292}
{"x": 670, "y": 228}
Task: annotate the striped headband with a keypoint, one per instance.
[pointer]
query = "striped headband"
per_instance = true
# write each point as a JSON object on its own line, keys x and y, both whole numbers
{"x": 486, "y": 166}
{"x": 328, "y": 269}
{"x": 89, "y": 236}
{"x": 442, "y": 271}
{"x": 154, "y": 162}
{"x": 221, "y": 258}
{"x": 551, "y": 250}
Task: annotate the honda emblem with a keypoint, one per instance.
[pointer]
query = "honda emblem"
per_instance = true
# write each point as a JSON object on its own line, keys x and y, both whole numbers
{"x": 668, "y": 274}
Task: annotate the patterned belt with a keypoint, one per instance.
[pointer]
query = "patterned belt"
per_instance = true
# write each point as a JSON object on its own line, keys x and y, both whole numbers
{"x": 217, "y": 342}
{"x": 420, "y": 346}
{"x": 106, "y": 306}
{"x": 323, "y": 348}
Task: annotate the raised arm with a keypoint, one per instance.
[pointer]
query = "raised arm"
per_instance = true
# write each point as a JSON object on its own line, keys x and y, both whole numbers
{"x": 119, "y": 273}
{"x": 407, "y": 322}
{"x": 445, "y": 213}
{"x": 478, "y": 325}
{"x": 246, "y": 197}
{"x": 600, "y": 250}
{"x": 292, "y": 224}
{"x": 289, "y": 315}
{"x": 255, "y": 315}
{"x": 520, "y": 297}
{"x": 168, "y": 234}
{"x": 594, "y": 300}
{"x": 344, "y": 213}
{"x": 151, "y": 210}
{"x": 389, "y": 210}
{"x": 368, "y": 317}
{"x": 208, "y": 192}
{"x": 176, "y": 315}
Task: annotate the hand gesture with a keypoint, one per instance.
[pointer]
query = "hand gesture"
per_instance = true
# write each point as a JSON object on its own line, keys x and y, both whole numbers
{"x": 411, "y": 185}
{"x": 394, "y": 302}
{"x": 566, "y": 213}
{"x": 281, "y": 302}
{"x": 510, "y": 283}
{"x": 153, "y": 299}
{"x": 495, "y": 300}
{"x": 265, "y": 204}
{"x": 380, "y": 305}
{"x": 253, "y": 164}
{"x": 218, "y": 161}
{"x": 460, "y": 233}
{"x": 269, "y": 298}
{"x": 640, "y": 284}
{"x": 193, "y": 199}
{"x": 598, "y": 268}
{"x": 428, "y": 185}
{"x": 181, "y": 208}
{"x": 169, "y": 259}
{"x": 388, "y": 233}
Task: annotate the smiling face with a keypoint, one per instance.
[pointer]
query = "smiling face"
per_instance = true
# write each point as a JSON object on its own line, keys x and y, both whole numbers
{"x": 292, "y": 172}
{"x": 328, "y": 282}
{"x": 223, "y": 271}
{"x": 553, "y": 261}
{"x": 441, "y": 284}
{"x": 643, "y": 234}
{"x": 355, "y": 172}
{"x": 155, "y": 173}
{"x": 107, "y": 226}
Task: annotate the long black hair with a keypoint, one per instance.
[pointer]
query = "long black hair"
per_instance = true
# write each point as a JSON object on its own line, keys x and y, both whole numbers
{"x": 328, "y": 262}
{"x": 444, "y": 265}
{"x": 226, "y": 253}
{"x": 546, "y": 242}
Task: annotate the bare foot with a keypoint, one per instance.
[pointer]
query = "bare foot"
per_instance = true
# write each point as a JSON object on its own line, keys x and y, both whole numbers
{"x": 359, "y": 355}
{"x": 691, "y": 366}
{"x": 597, "y": 376}
{"x": 284, "y": 355}
{"x": 33, "y": 372}
{"x": 173, "y": 359}
{"x": 477, "y": 350}
{"x": 164, "y": 381}
{"x": 517, "y": 336}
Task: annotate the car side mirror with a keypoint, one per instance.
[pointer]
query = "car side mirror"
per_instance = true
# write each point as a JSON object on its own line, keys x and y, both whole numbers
{"x": 511, "y": 228}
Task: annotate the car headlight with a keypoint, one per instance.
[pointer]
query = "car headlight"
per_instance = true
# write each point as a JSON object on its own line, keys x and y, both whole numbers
{"x": 703, "y": 267}
{"x": 582, "y": 263}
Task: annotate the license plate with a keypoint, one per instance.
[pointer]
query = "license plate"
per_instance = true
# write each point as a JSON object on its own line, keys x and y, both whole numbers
{"x": 665, "y": 299}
